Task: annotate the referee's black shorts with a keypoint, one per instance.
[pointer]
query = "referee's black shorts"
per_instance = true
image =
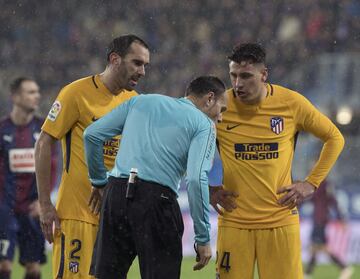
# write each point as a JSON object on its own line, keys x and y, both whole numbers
{"x": 149, "y": 226}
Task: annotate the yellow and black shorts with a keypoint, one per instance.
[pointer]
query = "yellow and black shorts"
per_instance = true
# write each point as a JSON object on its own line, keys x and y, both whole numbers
{"x": 72, "y": 250}
{"x": 276, "y": 251}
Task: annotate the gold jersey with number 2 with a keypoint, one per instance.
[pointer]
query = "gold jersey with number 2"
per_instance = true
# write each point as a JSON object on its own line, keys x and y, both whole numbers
{"x": 77, "y": 106}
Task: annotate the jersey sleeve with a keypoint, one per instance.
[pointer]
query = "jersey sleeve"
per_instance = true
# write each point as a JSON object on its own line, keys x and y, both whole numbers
{"x": 106, "y": 127}
{"x": 310, "y": 119}
{"x": 200, "y": 159}
{"x": 63, "y": 113}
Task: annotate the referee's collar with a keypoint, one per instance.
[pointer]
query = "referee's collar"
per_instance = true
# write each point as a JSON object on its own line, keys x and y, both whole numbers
{"x": 186, "y": 100}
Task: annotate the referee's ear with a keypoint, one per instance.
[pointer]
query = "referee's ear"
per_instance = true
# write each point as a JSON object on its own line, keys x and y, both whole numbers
{"x": 210, "y": 96}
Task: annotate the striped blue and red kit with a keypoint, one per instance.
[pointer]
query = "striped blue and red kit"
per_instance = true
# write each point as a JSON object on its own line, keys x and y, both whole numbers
{"x": 18, "y": 191}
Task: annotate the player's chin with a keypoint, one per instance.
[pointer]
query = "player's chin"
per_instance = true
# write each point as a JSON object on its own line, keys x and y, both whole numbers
{"x": 130, "y": 86}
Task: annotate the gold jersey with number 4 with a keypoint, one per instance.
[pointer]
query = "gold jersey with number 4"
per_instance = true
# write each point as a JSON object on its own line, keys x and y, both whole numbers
{"x": 77, "y": 106}
{"x": 256, "y": 145}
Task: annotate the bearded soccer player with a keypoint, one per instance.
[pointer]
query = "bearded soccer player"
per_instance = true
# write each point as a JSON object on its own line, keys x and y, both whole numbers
{"x": 19, "y": 207}
{"x": 77, "y": 106}
{"x": 256, "y": 141}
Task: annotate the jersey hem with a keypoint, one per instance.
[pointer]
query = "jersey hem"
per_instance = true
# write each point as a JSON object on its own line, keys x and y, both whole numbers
{"x": 230, "y": 224}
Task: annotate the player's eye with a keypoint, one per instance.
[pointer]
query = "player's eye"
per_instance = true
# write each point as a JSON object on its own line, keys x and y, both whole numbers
{"x": 246, "y": 75}
{"x": 138, "y": 63}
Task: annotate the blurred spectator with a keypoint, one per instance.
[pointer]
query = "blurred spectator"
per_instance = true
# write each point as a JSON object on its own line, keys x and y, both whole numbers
{"x": 325, "y": 203}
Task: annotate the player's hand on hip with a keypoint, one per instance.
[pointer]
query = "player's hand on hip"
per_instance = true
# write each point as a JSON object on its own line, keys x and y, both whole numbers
{"x": 49, "y": 217}
{"x": 95, "y": 200}
{"x": 224, "y": 198}
{"x": 203, "y": 256}
{"x": 295, "y": 193}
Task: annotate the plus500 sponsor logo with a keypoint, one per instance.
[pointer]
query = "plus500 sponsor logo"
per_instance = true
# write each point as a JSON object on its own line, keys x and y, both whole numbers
{"x": 256, "y": 151}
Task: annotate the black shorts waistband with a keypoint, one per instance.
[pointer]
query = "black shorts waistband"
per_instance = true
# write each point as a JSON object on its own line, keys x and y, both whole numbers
{"x": 154, "y": 186}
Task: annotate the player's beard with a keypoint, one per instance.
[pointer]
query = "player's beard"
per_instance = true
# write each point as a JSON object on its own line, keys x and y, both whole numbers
{"x": 133, "y": 80}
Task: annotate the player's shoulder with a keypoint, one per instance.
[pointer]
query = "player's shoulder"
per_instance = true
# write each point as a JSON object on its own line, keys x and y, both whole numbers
{"x": 285, "y": 94}
{"x": 5, "y": 122}
{"x": 81, "y": 85}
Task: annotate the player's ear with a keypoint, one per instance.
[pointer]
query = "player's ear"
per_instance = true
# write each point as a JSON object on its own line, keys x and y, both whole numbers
{"x": 15, "y": 97}
{"x": 264, "y": 74}
{"x": 115, "y": 58}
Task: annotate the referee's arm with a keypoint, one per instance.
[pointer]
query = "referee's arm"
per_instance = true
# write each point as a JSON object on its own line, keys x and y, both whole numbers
{"x": 200, "y": 157}
{"x": 106, "y": 127}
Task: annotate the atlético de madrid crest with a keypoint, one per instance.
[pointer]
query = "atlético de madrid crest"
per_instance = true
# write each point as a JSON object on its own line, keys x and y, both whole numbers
{"x": 277, "y": 124}
{"x": 74, "y": 267}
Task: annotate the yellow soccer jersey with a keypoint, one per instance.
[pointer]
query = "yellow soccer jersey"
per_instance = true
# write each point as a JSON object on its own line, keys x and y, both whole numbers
{"x": 256, "y": 144}
{"x": 77, "y": 106}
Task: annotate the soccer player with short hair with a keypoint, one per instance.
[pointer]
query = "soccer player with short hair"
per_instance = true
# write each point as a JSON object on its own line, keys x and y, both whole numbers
{"x": 19, "y": 206}
{"x": 78, "y": 105}
{"x": 164, "y": 138}
{"x": 256, "y": 141}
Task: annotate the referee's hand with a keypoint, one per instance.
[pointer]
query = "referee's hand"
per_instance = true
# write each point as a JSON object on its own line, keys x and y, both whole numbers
{"x": 203, "y": 256}
{"x": 49, "y": 218}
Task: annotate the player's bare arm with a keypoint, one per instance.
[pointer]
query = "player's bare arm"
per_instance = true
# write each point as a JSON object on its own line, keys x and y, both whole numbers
{"x": 295, "y": 193}
{"x": 224, "y": 198}
{"x": 48, "y": 215}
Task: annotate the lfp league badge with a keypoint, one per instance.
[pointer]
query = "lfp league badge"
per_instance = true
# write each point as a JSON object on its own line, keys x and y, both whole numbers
{"x": 277, "y": 124}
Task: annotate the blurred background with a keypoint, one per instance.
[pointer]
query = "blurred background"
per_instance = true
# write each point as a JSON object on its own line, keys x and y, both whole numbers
{"x": 313, "y": 46}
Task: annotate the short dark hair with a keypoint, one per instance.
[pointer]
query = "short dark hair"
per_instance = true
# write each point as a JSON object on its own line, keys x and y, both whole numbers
{"x": 16, "y": 84}
{"x": 204, "y": 84}
{"x": 121, "y": 45}
{"x": 252, "y": 52}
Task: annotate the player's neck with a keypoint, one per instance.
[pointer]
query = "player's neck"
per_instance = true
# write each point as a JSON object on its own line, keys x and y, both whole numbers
{"x": 20, "y": 117}
{"x": 109, "y": 82}
{"x": 261, "y": 96}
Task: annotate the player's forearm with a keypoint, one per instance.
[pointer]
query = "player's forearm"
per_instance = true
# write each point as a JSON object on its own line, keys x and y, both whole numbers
{"x": 43, "y": 170}
{"x": 328, "y": 156}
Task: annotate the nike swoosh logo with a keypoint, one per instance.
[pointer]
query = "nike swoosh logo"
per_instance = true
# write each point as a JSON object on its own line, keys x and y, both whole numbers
{"x": 94, "y": 119}
{"x": 228, "y": 127}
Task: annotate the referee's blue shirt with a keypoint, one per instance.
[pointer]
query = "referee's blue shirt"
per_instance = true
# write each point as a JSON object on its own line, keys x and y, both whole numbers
{"x": 164, "y": 138}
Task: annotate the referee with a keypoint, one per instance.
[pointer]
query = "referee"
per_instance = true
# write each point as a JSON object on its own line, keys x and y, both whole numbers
{"x": 163, "y": 138}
